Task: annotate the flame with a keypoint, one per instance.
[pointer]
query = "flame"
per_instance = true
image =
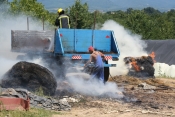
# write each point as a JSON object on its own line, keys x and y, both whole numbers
{"x": 135, "y": 66}
{"x": 152, "y": 55}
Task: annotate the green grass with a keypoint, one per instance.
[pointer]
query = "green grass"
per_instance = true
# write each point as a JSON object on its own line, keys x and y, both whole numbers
{"x": 33, "y": 112}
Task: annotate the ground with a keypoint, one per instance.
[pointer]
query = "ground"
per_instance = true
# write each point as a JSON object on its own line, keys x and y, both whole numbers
{"x": 156, "y": 99}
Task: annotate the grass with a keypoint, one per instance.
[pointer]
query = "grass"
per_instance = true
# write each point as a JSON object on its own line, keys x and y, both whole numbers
{"x": 33, "y": 112}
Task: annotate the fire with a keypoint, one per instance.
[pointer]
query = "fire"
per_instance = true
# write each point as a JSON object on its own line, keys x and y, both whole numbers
{"x": 152, "y": 55}
{"x": 134, "y": 64}
{"x": 138, "y": 62}
{"x": 141, "y": 66}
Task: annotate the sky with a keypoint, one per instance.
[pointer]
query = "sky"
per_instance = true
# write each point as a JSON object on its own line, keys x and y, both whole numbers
{"x": 107, "y": 5}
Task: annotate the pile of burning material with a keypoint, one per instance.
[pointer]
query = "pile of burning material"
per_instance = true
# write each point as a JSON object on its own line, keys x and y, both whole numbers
{"x": 35, "y": 100}
{"x": 31, "y": 77}
{"x": 140, "y": 66}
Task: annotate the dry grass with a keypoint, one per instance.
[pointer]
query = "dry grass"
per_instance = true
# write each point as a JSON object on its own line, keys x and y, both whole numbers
{"x": 130, "y": 80}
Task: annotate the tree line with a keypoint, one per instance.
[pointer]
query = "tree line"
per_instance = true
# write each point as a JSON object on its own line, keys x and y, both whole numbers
{"x": 148, "y": 22}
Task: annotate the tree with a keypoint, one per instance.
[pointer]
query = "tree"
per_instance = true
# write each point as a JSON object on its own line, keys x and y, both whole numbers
{"x": 129, "y": 10}
{"x": 150, "y": 10}
{"x": 80, "y": 16}
{"x": 31, "y": 8}
{"x": 140, "y": 23}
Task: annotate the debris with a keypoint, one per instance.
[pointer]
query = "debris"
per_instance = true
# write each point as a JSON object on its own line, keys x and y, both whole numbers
{"x": 35, "y": 100}
{"x": 140, "y": 66}
{"x": 146, "y": 86}
{"x": 31, "y": 77}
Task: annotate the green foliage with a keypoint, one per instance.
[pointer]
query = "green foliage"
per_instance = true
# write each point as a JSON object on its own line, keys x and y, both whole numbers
{"x": 40, "y": 92}
{"x": 31, "y": 8}
{"x": 151, "y": 25}
{"x": 151, "y": 11}
{"x": 80, "y": 16}
{"x": 149, "y": 22}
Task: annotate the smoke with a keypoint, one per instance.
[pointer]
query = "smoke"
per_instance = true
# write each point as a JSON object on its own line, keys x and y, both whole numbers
{"x": 8, "y": 23}
{"x": 6, "y": 64}
{"x": 129, "y": 45}
{"x": 85, "y": 85}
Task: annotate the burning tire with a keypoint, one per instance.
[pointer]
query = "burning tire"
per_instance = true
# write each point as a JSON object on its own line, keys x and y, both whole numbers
{"x": 30, "y": 76}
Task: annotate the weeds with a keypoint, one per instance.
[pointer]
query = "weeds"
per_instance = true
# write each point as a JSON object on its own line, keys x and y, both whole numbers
{"x": 162, "y": 75}
{"x": 39, "y": 92}
{"x": 33, "y": 112}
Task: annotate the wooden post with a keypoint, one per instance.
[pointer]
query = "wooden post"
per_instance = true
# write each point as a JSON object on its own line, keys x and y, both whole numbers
{"x": 43, "y": 23}
{"x": 27, "y": 23}
{"x": 95, "y": 18}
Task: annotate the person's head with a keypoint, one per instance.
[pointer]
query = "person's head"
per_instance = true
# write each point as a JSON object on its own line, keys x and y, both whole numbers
{"x": 60, "y": 11}
{"x": 91, "y": 49}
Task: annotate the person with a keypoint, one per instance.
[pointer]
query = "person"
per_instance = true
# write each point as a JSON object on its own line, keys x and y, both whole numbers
{"x": 63, "y": 20}
{"x": 96, "y": 58}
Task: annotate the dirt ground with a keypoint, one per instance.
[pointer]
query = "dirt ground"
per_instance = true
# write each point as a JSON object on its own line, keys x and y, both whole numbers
{"x": 155, "y": 99}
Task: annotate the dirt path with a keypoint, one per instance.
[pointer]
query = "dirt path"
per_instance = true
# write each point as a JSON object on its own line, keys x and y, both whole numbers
{"x": 157, "y": 101}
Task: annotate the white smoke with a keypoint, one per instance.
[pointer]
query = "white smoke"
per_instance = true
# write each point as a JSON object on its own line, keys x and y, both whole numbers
{"x": 8, "y": 23}
{"x": 129, "y": 45}
{"x": 83, "y": 84}
{"x": 6, "y": 64}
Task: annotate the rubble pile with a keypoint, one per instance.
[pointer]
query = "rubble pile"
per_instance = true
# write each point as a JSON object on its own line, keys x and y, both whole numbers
{"x": 140, "y": 66}
{"x": 31, "y": 77}
{"x": 35, "y": 100}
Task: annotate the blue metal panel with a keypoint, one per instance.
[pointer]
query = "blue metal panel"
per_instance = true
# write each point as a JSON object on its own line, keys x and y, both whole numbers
{"x": 83, "y": 40}
{"x": 67, "y": 38}
{"x": 78, "y": 40}
{"x": 58, "y": 47}
{"x": 102, "y": 40}
{"x": 114, "y": 45}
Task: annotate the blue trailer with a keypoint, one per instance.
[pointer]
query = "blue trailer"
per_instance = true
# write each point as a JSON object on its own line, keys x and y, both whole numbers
{"x": 69, "y": 44}
{"x": 74, "y": 43}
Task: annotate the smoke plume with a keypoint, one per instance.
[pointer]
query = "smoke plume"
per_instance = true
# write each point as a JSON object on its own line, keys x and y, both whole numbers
{"x": 129, "y": 45}
{"x": 83, "y": 84}
{"x": 8, "y": 23}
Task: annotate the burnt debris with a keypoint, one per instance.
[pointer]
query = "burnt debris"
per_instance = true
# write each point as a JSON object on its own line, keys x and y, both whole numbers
{"x": 140, "y": 66}
{"x": 31, "y": 77}
{"x": 36, "y": 101}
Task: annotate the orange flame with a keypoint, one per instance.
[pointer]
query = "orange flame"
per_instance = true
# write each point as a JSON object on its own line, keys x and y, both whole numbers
{"x": 135, "y": 66}
{"x": 152, "y": 55}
